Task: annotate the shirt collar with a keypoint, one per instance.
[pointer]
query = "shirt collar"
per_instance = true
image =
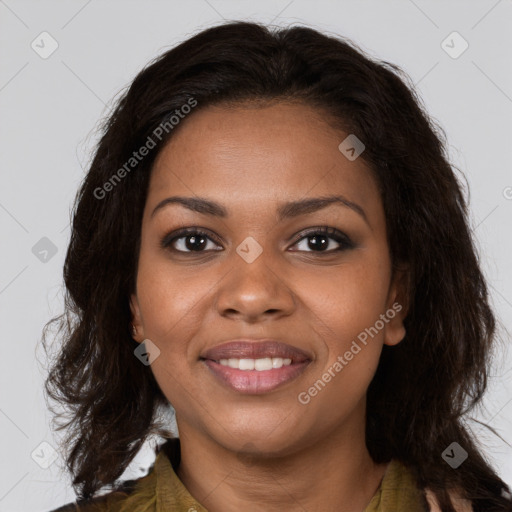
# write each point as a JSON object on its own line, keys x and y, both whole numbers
{"x": 171, "y": 494}
{"x": 397, "y": 491}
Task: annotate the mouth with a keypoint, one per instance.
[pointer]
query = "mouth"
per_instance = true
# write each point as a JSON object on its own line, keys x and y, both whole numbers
{"x": 255, "y": 367}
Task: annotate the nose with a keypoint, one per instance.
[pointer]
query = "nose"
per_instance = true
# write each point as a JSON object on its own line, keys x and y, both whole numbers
{"x": 255, "y": 291}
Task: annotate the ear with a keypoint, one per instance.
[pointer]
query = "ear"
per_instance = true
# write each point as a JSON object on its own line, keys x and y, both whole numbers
{"x": 397, "y": 306}
{"x": 136, "y": 319}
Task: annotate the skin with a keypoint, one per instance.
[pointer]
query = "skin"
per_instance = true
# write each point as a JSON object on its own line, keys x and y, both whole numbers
{"x": 267, "y": 452}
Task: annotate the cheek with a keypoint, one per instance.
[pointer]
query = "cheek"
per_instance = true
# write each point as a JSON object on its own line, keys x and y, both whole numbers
{"x": 172, "y": 309}
{"x": 172, "y": 305}
{"x": 346, "y": 308}
{"x": 344, "y": 314}
{"x": 348, "y": 300}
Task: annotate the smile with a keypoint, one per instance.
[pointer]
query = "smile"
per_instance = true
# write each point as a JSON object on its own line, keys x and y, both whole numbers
{"x": 255, "y": 376}
{"x": 267, "y": 363}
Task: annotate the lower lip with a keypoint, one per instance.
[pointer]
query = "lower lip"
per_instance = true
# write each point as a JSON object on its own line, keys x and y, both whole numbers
{"x": 255, "y": 382}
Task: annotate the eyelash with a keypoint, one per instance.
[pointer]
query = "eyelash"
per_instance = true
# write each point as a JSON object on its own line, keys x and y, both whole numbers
{"x": 334, "y": 234}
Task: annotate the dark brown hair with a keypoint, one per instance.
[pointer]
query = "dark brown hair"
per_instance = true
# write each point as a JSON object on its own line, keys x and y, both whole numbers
{"x": 422, "y": 386}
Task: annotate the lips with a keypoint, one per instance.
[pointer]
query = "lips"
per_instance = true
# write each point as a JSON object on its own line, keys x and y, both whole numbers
{"x": 267, "y": 364}
{"x": 247, "y": 349}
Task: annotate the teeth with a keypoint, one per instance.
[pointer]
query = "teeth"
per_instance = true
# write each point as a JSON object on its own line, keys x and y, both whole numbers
{"x": 267, "y": 363}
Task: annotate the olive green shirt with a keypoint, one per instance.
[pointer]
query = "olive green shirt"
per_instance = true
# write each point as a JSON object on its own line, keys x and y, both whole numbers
{"x": 162, "y": 491}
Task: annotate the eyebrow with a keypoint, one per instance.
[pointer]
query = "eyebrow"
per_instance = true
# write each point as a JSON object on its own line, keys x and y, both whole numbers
{"x": 284, "y": 211}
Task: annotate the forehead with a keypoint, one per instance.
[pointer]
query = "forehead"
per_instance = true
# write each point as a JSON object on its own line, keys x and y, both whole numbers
{"x": 248, "y": 153}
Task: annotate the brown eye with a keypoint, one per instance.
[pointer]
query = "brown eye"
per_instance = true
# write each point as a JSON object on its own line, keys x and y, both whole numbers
{"x": 320, "y": 239}
{"x": 188, "y": 240}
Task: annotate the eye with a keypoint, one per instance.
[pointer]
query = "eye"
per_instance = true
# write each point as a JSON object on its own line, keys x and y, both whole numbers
{"x": 321, "y": 238}
{"x": 189, "y": 240}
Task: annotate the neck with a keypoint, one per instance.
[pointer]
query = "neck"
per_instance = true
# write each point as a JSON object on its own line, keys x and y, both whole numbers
{"x": 336, "y": 473}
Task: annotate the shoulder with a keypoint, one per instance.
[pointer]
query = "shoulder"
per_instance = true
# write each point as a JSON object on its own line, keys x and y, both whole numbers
{"x": 130, "y": 495}
{"x": 459, "y": 504}
{"x": 403, "y": 477}
{"x": 108, "y": 502}
{"x": 99, "y": 504}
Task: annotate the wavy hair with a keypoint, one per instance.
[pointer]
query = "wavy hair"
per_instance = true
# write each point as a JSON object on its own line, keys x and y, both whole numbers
{"x": 423, "y": 387}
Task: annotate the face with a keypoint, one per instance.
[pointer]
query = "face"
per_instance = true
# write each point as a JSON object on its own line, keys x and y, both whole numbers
{"x": 263, "y": 271}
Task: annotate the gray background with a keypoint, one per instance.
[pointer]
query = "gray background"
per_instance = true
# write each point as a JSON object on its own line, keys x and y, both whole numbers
{"x": 50, "y": 107}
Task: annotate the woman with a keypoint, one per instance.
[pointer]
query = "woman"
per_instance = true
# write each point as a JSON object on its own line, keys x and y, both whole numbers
{"x": 271, "y": 239}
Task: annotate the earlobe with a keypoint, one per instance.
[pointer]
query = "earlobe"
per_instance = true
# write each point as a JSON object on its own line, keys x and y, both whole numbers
{"x": 136, "y": 329}
{"x": 397, "y": 307}
{"x": 395, "y": 332}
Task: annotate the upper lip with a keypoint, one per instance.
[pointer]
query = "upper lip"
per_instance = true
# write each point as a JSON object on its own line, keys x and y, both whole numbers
{"x": 255, "y": 349}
